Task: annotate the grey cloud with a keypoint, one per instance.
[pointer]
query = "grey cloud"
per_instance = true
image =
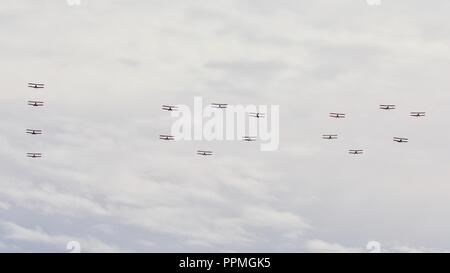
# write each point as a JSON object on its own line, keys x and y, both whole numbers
{"x": 106, "y": 180}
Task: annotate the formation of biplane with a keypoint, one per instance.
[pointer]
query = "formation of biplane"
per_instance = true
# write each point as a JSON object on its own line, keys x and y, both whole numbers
{"x": 386, "y": 107}
{"x": 257, "y": 115}
{"x": 35, "y": 103}
{"x": 336, "y": 115}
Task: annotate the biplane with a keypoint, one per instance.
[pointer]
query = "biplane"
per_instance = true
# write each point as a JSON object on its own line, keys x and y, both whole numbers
{"x": 400, "y": 139}
{"x": 36, "y": 85}
{"x": 35, "y": 103}
{"x": 34, "y": 132}
{"x": 338, "y": 115}
{"x": 219, "y": 105}
{"x": 418, "y": 114}
{"x": 169, "y": 107}
{"x": 204, "y": 153}
{"x": 258, "y": 115}
{"x": 34, "y": 155}
{"x": 387, "y": 107}
{"x": 166, "y": 137}
{"x": 248, "y": 138}
{"x": 330, "y": 137}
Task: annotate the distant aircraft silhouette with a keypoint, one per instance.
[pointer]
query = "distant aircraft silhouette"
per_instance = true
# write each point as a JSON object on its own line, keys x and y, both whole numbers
{"x": 356, "y": 152}
{"x": 338, "y": 115}
{"x": 400, "y": 139}
{"x": 387, "y": 107}
{"x": 248, "y": 138}
{"x": 257, "y": 115}
{"x": 34, "y": 132}
{"x": 219, "y": 105}
{"x": 418, "y": 114}
{"x": 166, "y": 137}
{"x": 204, "y": 153}
{"x": 35, "y": 103}
{"x": 34, "y": 155}
{"x": 36, "y": 85}
{"x": 169, "y": 107}
{"x": 330, "y": 137}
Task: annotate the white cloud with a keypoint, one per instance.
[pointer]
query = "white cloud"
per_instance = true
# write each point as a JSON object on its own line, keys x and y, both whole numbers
{"x": 37, "y": 235}
{"x": 318, "y": 246}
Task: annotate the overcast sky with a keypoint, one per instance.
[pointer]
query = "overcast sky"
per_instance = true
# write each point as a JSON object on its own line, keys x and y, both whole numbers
{"x": 107, "y": 181}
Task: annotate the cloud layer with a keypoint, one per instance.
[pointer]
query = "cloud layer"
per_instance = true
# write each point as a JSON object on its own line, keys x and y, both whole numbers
{"x": 109, "y": 183}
